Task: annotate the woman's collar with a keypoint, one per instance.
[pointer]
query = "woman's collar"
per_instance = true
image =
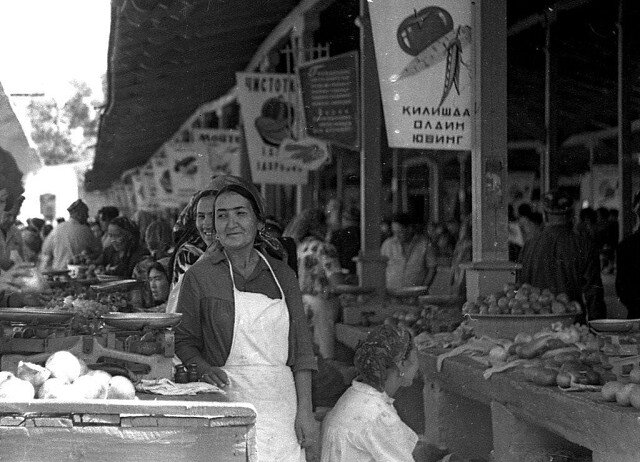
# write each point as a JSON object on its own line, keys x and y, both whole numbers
{"x": 369, "y": 390}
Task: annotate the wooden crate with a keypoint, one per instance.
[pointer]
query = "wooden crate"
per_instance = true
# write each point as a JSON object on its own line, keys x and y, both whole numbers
{"x": 119, "y": 430}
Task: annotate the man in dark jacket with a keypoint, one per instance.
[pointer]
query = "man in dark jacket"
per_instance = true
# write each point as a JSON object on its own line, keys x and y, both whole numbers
{"x": 628, "y": 268}
{"x": 561, "y": 260}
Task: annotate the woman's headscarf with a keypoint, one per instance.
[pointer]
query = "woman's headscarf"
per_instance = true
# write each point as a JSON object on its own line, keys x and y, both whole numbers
{"x": 130, "y": 228}
{"x": 248, "y": 190}
{"x": 382, "y": 348}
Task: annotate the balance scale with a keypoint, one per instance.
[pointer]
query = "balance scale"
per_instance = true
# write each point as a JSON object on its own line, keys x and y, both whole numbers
{"x": 140, "y": 344}
{"x": 612, "y": 333}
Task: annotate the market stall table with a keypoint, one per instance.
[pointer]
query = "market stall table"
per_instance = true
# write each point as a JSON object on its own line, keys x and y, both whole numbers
{"x": 471, "y": 415}
{"x": 108, "y": 430}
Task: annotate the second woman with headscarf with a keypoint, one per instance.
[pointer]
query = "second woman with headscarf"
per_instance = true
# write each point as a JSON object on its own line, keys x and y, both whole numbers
{"x": 244, "y": 325}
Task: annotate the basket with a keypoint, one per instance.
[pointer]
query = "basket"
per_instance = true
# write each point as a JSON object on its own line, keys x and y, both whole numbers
{"x": 507, "y": 326}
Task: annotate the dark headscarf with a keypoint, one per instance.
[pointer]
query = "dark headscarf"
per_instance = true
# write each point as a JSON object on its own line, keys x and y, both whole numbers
{"x": 130, "y": 228}
{"x": 248, "y": 190}
{"x": 383, "y": 347}
{"x": 185, "y": 232}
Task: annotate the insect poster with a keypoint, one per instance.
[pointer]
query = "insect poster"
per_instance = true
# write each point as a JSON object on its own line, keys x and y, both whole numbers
{"x": 186, "y": 163}
{"x": 424, "y": 52}
{"x": 271, "y": 113}
{"x": 223, "y": 150}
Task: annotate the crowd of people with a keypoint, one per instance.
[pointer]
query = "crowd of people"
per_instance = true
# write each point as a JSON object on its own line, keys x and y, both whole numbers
{"x": 259, "y": 300}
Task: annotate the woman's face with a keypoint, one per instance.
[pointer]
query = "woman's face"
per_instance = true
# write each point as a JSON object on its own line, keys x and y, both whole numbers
{"x": 118, "y": 237}
{"x": 204, "y": 219}
{"x": 96, "y": 230}
{"x": 159, "y": 285}
{"x": 410, "y": 368}
{"x": 236, "y": 222}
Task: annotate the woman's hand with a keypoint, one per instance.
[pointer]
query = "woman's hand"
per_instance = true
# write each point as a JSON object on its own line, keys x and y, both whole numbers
{"x": 307, "y": 428}
{"x": 215, "y": 376}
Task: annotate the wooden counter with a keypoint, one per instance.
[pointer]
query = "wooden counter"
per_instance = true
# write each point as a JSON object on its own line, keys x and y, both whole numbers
{"x": 470, "y": 415}
{"x": 117, "y": 430}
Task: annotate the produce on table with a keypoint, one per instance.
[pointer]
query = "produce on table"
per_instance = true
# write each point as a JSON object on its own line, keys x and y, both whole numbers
{"x": 610, "y": 389}
{"x": 64, "y": 377}
{"x": 623, "y": 395}
{"x": 16, "y": 389}
{"x": 430, "y": 318}
{"x": 524, "y": 299}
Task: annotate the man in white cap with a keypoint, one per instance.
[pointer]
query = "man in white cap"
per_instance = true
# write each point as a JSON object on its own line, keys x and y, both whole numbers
{"x": 69, "y": 239}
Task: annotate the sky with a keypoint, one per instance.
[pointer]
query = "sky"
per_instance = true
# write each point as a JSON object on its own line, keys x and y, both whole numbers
{"x": 46, "y": 43}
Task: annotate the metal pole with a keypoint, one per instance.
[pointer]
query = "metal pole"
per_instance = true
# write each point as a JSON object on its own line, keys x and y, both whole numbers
{"x": 550, "y": 162}
{"x": 625, "y": 161}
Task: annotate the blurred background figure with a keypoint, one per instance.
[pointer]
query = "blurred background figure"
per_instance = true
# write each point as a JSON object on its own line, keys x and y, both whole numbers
{"x": 124, "y": 252}
{"x": 333, "y": 215}
{"x": 105, "y": 215}
{"x": 96, "y": 230}
{"x": 10, "y": 233}
{"x": 318, "y": 271}
{"x": 157, "y": 239}
{"x": 411, "y": 257}
{"x": 159, "y": 286}
{"x": 346, "y": 240}
{"x": 69, "y": 239}
{"x": 31, "y": 244}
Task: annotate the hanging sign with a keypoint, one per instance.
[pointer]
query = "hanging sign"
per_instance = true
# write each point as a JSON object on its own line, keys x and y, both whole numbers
{"x": 186, "y": 163}
{"x": 311, "y": 153}
{"x": 162, "y": 179}
{"x": 424, "y": 53}
{"x": 140, "y": 194}
{"x": 48, "y": 206}
{"x": 270, "y": 107}
{"x": 330, "y": 92}
{"x": 147, "y": 177}
{"x": 223, "y": 150}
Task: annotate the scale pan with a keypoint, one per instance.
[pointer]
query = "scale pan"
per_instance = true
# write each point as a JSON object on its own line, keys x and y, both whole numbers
{"x": 615, "y": 325}
{"x": 29, "y": 315}
{"x": 135, "y": 321}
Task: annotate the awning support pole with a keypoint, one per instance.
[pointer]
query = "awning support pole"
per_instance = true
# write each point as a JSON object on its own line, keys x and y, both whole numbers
{"x": 625, "y": 159}
{"x": 371, "y": 266}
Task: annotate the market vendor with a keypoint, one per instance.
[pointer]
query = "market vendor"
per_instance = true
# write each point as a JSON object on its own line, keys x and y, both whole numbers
{"x": 125, "y": 252}
{"x": 364, "y": 425}
{"x": 411, "y": 257}
{"x": 158, "y": 281}
{"x": 563, "y": 261}
{"x": 244, "y": 326}
{"x": 69, "y": 239}
{"x": 10, "y": 195}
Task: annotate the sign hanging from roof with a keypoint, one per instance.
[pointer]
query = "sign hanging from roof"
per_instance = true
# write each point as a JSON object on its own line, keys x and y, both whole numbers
{"x": 424, "y": 53}
{"x": 187, "y": 164}
{"x": 271, "y": 113}
{"x": 330, "y": 92}
{"x": 223, "y": 150}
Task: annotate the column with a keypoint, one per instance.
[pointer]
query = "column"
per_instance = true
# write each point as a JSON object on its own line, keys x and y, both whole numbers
{"x": 371, "y": 265}
{"x": 490, "y": 268}
{"x": 625, "y": 90}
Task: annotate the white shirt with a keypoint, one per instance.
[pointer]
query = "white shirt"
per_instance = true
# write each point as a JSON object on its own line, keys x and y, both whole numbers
{"x": 411, "y": 269}
{"x": 364, "y": 426}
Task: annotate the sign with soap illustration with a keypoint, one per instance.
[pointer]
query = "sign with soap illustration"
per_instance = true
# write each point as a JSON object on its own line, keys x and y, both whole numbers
{"x": 424, "y": 52}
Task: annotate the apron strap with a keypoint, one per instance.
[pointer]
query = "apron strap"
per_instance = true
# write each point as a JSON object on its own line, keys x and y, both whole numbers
{"x": 233, "y": 279}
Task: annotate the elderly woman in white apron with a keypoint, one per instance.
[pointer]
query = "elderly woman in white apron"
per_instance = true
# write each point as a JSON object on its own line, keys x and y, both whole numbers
{"x": 244, "y": 326}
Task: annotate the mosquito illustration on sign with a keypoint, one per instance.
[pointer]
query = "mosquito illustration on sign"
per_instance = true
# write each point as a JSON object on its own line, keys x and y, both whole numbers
{"x": 429, "y": 36}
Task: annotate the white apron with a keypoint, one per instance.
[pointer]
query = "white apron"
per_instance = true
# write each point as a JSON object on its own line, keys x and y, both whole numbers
{"x": 258, "y": 372}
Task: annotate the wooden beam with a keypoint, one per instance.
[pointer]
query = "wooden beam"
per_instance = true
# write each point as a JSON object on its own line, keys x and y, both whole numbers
{"x": 540, "y": 18}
